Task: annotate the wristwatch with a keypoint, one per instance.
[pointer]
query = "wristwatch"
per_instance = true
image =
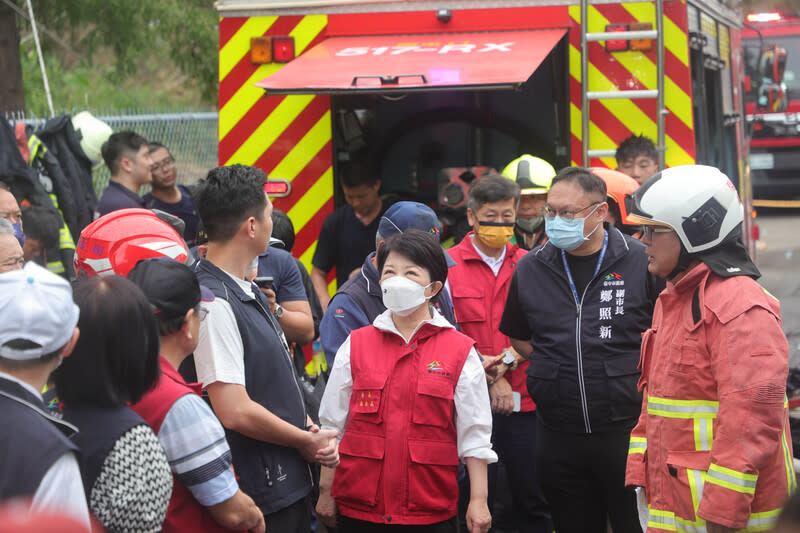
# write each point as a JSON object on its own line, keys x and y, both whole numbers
{"x": 278, "y": 312}
{"x": 509, "y": 359}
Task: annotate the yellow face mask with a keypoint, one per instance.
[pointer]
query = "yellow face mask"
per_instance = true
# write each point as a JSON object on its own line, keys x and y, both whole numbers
{"x": 495, "y": 234}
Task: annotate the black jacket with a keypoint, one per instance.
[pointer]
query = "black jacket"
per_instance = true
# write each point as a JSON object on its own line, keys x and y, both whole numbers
{"x": 583, "y": 371}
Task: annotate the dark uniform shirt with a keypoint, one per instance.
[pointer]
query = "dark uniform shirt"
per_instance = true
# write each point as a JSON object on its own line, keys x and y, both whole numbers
{"x": 344, "y": 242}
{"x": 183, "y": 209}
{"x": 117, "y": 196}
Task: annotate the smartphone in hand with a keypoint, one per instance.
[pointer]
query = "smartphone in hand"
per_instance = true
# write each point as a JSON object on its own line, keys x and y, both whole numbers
{"x": 264, "y": 282}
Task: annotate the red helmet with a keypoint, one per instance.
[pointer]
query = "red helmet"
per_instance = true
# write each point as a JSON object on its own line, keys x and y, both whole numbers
{"x": 618, "y": 186}
{"x": 114, "y": 243}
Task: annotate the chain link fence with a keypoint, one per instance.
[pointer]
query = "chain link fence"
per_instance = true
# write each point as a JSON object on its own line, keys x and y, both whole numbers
{"x": 190, "y": 136}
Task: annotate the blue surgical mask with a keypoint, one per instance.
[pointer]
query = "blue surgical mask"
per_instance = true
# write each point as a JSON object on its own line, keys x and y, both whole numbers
{"x": 567, "y": 233}
{"x": 18, "y": 233}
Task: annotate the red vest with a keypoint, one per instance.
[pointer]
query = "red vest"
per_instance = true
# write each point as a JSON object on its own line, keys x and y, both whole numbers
{"x": 479, "y": 298}
{"x": 399, "y": 457}
{"x": 184, "y": 513}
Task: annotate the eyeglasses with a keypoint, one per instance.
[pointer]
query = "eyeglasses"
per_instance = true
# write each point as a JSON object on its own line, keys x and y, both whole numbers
{"x": 202, "y": 313}
{"x": 551, "y": 213}
{"x": 12, "y": 216}
{"x": 163, "y": 166}
{"x": 649, "y": 231}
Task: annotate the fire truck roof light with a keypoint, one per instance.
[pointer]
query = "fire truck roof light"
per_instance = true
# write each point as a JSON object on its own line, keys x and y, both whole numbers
{"x": 764, "y": 17}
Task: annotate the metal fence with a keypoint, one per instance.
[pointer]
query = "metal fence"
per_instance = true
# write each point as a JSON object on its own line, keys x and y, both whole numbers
{"x": 190, "y": 136}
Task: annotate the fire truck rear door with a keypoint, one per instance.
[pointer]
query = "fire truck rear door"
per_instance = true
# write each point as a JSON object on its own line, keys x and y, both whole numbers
{"x": 405, "y": 63}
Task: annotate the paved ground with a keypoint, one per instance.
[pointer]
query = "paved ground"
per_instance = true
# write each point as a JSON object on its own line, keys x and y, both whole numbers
{"x": 779, "y": 261}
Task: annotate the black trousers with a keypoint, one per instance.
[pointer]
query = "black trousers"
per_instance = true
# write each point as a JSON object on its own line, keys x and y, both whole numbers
{"x": 514, "y": 440}
{"x": 295, "y": 518}
{"x": 583, "y": 479}
{"x": 352, "y": 525}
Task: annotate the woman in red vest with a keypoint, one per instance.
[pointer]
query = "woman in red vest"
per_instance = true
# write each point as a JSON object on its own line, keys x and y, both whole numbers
{"x": 408, "y": 396}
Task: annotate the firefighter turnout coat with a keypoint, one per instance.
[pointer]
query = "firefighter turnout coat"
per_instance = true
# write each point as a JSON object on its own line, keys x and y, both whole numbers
{"x": 712, "y": 442}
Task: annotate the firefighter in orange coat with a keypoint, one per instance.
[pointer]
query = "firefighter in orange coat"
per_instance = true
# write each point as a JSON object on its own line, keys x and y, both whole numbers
{"x": 712, "y": 448}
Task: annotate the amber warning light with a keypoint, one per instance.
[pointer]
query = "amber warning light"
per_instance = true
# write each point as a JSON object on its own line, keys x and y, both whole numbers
{"x": 278, "y": 188}
{"x": 764, "y": 17}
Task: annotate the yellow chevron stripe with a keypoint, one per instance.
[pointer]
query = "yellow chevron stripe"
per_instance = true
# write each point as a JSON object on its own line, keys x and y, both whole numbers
{"x": 239, "y": 45}
{"x": 313, "y": 200}
{"x": 307, "y": 30}
{"x": 597, "y": 136}
{"x": 642, "y": 68}
{"x": 676, "y": 100}
{"x": 305, "y": 150}
{"x": 248, "y": 94}
{"x": 269, "y": 130}
{"x": 307, "y": 206}
{"x": 675, "y": 39}
{"x": 245, "y": 98}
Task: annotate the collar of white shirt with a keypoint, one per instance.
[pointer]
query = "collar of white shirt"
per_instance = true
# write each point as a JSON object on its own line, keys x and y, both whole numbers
{"x": 491, "y": 262}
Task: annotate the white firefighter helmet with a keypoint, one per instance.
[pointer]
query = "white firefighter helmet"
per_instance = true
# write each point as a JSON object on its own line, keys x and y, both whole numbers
{"x": 93, "y": 133}
{"x": 699, "y": 202}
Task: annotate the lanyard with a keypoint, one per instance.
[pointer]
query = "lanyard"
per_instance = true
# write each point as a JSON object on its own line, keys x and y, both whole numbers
{"x": 596, "y": 268}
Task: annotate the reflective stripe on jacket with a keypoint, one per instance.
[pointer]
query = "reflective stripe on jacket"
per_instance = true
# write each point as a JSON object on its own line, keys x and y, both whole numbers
{"x": 712, "y": 442}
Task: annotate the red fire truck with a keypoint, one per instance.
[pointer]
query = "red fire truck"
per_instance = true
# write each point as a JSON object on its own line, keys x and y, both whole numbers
{"x": 419, "y": 92}
{"x": 772, "y": 61}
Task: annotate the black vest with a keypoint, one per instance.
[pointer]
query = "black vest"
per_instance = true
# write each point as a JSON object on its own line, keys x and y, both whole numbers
{"x": 365, "y": 290}
{"x": 31, "y": 439}
{"x": 274, "y": 476}
{"x": 100, "y": 429}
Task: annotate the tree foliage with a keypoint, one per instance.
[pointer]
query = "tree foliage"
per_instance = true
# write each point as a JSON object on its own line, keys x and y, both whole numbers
{"x": 135, "y": 29}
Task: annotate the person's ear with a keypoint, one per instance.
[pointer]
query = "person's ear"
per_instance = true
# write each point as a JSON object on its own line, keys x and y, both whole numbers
{"x": 126, "y": 164}
{"x": 602, "y": 210}
{"x": 249, "y": 227}
{"x": 186, "y": 328}
{"x": 471, "y": 219}
{"x": 67, "y": 349}
{"x": 377, "y": 185}
{"x": 435, "y": 287}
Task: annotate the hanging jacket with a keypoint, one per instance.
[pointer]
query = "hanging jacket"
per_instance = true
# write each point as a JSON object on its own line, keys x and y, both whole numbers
{"x": 479, "y": 298}
{"x": 63, "y": 142}
{"x": 712, "y": 442}
{"x": 399, "y": 454}
{"x": 60, "y": 192}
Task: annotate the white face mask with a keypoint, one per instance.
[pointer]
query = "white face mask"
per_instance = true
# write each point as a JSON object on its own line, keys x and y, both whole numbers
{"x": 403, "y": 296}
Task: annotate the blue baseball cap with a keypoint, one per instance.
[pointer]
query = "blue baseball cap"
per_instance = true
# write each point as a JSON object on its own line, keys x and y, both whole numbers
{"x": 403, "y": 216}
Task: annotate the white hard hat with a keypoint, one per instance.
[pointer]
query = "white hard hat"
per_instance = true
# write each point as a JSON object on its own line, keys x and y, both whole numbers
{"x": 93, "y": 133}
{"x": 699, "y": 202}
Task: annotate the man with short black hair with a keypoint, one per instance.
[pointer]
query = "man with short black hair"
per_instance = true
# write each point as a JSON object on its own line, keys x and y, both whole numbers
{"x": 348, "y": 234}
{"x": 577, "y": 307}
{"x": 166, "y": 195}
{"x": 205, "y": 494}
{"x": 637, "y": 157}
{"x": 127, "y": 157}
{"x": 243, "y": 358}
{"x": 38, "y": 330}
{"x": 10, "y": 210}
